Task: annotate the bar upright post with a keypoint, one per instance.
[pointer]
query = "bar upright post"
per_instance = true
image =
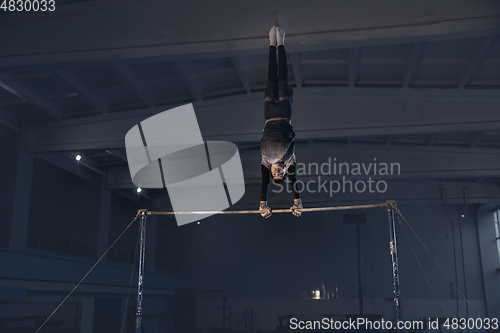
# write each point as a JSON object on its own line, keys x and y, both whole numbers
{"x": 142, "y": 244}
{"x": 394, "y": 257}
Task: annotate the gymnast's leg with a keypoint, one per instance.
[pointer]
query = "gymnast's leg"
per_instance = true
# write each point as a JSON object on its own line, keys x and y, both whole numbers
{"x": 271, "y": 94}
{"x": 285, "y": 93}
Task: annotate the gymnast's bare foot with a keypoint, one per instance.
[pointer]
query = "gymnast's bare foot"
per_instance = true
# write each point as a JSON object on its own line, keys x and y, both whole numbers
{"x": 272, "y": 36}
{"x": 280, "y": 36}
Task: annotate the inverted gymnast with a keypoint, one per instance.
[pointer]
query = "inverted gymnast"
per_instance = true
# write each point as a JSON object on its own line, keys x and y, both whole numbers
{"x": 277, "y": 145}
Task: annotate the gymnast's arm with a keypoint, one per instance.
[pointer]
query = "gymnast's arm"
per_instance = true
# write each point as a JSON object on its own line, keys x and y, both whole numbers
{"x": 297, "y": 203}
{"x": 266, "y": 177}
{"x": 265, "y": 210}
{"x": 293, "y": 179}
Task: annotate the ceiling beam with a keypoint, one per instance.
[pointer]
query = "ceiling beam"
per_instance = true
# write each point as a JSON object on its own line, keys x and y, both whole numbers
{"x": 7, "y": 120}
{"x": 220, "y": 39}
{"x": 485, "y": 83}
{"x": 431, "y": 141}
{"x": 417, "y": 53}
{"x": 361, "y": 116}
{"x": 70, "y": 11}
{"x": 214, "y": 72}
{"x": 82, "y": 90}
{"x": 477, "y": 139}
{"x": 117, "y": 153}
{"x": 12, "y": 102}
{"x": 386, "y": 61}
{"x": 408, "y": 164}
{"x": 354, "y": 58}
{"x": 327, "y": 83}
{"x": 18, "y": 89}
{"x": 297, "y": 74}
{"x": 324, "y": 62}
{"x": 68, "y": 164}
{"x": 184, "y": 72}
{"x": 61, "y": 95}
{"x": 162, "y": 80}
{"x": 370, "y": 146}
{"x": 127, "y": 193}
{"x": 481, "y": 51}
{"x": 225, "y": 92}
{"x": 422, "y": 92}
{"x": 10, "y": 125}
{"x": 381, "y": 83}
{"x": 30, "y": 75}
{"x": 85, "y": 161}
{"x": 241, "y": 74}
{"x": 130, "y": 79}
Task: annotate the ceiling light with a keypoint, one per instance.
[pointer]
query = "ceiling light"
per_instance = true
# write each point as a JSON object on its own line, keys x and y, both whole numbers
{"x": 139, "y": 190}
{"x": 78, "y": 157}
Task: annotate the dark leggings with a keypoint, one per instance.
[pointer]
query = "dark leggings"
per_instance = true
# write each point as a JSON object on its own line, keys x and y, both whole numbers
{"x": 278, "y": 100}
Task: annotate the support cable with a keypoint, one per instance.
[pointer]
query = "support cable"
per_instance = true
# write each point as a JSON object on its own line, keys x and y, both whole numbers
{"x": 437, "y": 263}
{"x": 345, "y": 305}
{"x": 148, "y": 213}
{"x": 421, "y": 268}
{"x": 90, "y": 270}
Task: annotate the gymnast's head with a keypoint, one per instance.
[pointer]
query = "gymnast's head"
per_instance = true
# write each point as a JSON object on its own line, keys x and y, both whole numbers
{"x": 278, "y": 171}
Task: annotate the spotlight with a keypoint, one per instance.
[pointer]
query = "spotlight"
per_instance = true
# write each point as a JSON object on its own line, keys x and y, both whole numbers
{"x": 198, "y": 222}
{"x": 78, "y": 157}
{"x": 139, "y": 190}
{"x": 463, "y": 215}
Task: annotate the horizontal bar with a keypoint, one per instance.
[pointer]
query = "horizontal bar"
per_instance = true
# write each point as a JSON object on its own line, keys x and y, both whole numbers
{"x": 256, "y": 211}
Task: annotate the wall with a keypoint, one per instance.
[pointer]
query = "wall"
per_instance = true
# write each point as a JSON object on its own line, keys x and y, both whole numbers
{"x": 9, "y": 150}
{"x": 122, "y": 211}
{"x": 62, "y": 203}
{"x": 65, "y": 204}
{"x": 272, "y": 265}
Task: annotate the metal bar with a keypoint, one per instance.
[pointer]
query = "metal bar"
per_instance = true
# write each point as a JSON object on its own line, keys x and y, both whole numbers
{"x": 394, "y": 258}
{"x": 317, "y": 209}
{"x": 138, "y": 314}
{"x": 390, "y": 205}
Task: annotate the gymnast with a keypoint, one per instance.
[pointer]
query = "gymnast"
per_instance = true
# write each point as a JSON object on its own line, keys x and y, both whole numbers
{"x": 277, "y": 145}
